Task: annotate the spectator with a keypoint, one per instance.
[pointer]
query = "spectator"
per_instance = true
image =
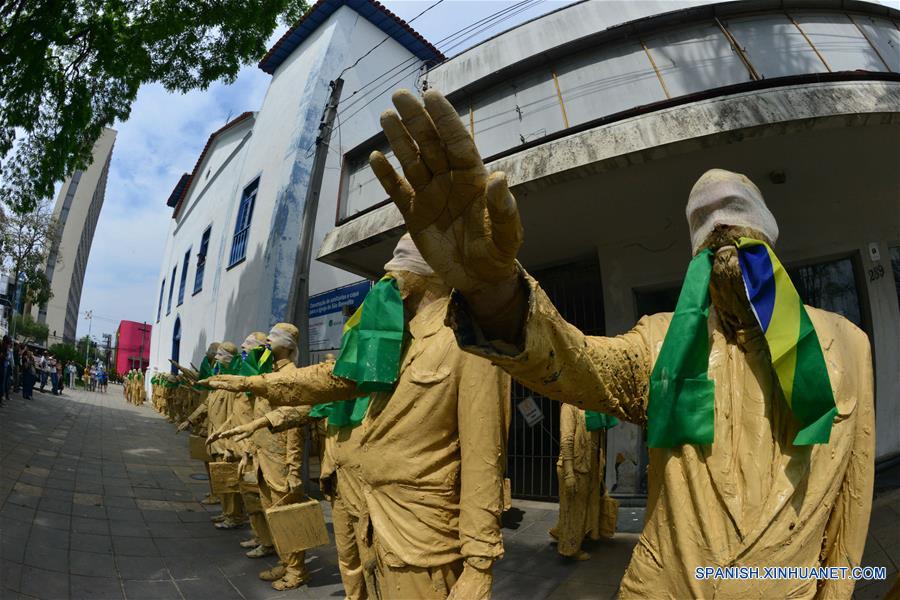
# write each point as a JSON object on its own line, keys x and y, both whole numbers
{"x": 73, "y": 374}
{"x": 51, "y": 373}
{"x": 17, "y": 358}
{"x": 5, "y": 367}
{"x": 60, "y": 378}
{"x": 29, "y": 374}
{"x": 42, "y": 370}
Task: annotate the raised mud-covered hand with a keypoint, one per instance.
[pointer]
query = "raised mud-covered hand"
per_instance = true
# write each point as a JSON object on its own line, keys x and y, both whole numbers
{"x": 464, "y": 221}
{"x": 473, "y": 584}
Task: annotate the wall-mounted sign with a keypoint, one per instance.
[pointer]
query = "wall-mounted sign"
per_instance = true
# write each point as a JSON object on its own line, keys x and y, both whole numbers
{"x": 531, "y": 412}
{"x": 329, "y": 311}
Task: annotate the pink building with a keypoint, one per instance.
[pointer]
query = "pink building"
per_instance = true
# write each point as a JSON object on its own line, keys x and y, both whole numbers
{"x": 132, "y": 346}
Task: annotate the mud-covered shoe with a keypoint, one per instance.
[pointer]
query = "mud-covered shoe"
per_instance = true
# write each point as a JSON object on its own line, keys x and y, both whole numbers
{"x": 218, "y": 518}
{"x": 228, "y": 524}
{"x": 260, "y": 551}
{"x": 290, "y": 581}
{"x": 273, "y": 574}
{"x": 211, "y": 499}
{"x": 251, "y": 543}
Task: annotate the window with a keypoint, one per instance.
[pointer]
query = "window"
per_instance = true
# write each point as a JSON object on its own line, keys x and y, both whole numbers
{"x": 242, "y": 225}
{"x": 830, "y": 285}
{"x": 162, "y": 291}
{"x": 171, "y": 289}
{"x": 184, "y": 270}
{"x": 201, "y": 260}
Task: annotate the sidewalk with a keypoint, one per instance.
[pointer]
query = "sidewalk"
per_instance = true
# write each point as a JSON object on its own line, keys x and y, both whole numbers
{"x": 98, "y": 499}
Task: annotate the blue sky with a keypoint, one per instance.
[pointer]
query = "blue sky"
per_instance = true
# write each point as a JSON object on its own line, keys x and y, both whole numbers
{"x": 163, "y": 138}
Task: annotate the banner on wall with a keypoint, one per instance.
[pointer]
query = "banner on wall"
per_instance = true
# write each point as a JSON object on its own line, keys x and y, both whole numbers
{"x": 330, "y": 310}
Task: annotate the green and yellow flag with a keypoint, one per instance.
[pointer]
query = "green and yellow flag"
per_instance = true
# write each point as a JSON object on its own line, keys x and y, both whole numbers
{"x": 371, "y": 346}
{"x": 681, "y": 409}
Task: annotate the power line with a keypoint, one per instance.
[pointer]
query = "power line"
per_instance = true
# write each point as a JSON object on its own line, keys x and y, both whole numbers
{"x": 459, "y": 37}
{"x": 386, "y": 38}
{"x": 484, "y": 23}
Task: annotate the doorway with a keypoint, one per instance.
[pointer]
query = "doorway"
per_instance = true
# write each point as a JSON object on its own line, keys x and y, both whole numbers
{"x": 576, "y": 291}
{"x": 176, "y": 344}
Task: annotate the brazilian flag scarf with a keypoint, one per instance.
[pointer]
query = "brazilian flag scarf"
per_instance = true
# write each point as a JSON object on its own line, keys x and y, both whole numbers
{"x": 681, "y": 409}
{"x": 232, "y": 368}
{"x": 256, "y": 362}
{"x": 371, "y": 346}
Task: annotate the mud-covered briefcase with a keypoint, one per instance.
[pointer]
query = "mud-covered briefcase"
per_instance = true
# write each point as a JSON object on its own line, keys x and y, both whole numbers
{"x": 297, "y": 527}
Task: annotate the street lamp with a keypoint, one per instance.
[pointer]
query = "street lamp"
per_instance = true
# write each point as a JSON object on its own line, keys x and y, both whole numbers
{"x": 89, "y": 315}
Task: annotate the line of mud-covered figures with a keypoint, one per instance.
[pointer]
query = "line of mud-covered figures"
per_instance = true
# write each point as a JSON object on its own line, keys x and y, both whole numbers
{"x": 427, "y": 535}
{"x": 758, "y": 410}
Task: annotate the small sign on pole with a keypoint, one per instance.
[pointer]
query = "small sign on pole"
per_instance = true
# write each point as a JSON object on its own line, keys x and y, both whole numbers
{"x": 531, "y": 412}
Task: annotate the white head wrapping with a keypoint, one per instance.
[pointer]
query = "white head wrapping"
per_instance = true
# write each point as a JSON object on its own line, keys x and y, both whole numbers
{"x": 254, "y": 340}
{"x": 408, "y": 258}
{"x": 285, "y": 337}
{"x": 724, "y": 198}
{"x": 225, "y": 353}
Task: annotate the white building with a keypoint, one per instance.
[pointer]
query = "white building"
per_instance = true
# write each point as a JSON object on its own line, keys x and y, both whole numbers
{"x": 602, "y": 114}
{"x": 228, "y": 267}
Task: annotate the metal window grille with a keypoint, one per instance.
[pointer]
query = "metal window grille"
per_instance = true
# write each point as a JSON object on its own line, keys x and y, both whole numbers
{"x": 576, "y": 292}
{"x": 242, "y": 224}
{"x": 171, "y": 289}
{"x": 201, "y": 261}
{"x": 162, "y": 292}
{"x": 184, "y": 270}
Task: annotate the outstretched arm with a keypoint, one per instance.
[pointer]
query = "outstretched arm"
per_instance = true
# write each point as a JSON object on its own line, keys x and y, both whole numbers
{"x": 294, "y": 387}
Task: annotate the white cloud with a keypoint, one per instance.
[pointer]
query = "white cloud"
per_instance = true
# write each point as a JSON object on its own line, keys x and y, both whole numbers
{"x": 161, "y": 140}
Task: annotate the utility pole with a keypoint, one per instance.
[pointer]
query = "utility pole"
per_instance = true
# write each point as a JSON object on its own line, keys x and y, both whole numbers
{"x": 108, "y": 338}
{"x": 141, "y": 355}
{"x": 89, "y": 315}
{"x": 298, "y": 306}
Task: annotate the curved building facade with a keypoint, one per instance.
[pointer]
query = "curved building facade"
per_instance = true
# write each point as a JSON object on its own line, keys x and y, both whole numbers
{"x": 602, "y": 129}
{"x": 603, "y": 115}
{"x": 76, "y": 212}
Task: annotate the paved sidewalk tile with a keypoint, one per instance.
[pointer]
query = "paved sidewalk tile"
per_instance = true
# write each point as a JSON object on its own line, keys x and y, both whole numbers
{"x": 99, "y": 499}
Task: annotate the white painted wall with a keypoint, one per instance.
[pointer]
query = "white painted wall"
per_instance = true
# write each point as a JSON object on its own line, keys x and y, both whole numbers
{"x": 277, "y": 146}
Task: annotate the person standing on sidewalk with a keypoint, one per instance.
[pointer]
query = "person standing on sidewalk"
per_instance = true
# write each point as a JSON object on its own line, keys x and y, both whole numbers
{"x": 5, "y": 368}
{"x": 42, "y": 370}
{"x": 29, "y": 374}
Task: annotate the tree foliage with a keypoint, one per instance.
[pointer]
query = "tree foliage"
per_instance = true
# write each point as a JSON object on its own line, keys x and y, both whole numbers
{"x": 28, "y": 330}
{"x": 68, "y": 68}
{"x": 26, "y": 240}
{"x": 87, "y": 346}
{"x": 67, "y": 353}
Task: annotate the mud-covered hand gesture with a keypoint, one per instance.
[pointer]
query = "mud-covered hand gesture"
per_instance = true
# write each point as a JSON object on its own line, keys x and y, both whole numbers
{"x": 464, "y": 221}
{"x": 241, "y": 432}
